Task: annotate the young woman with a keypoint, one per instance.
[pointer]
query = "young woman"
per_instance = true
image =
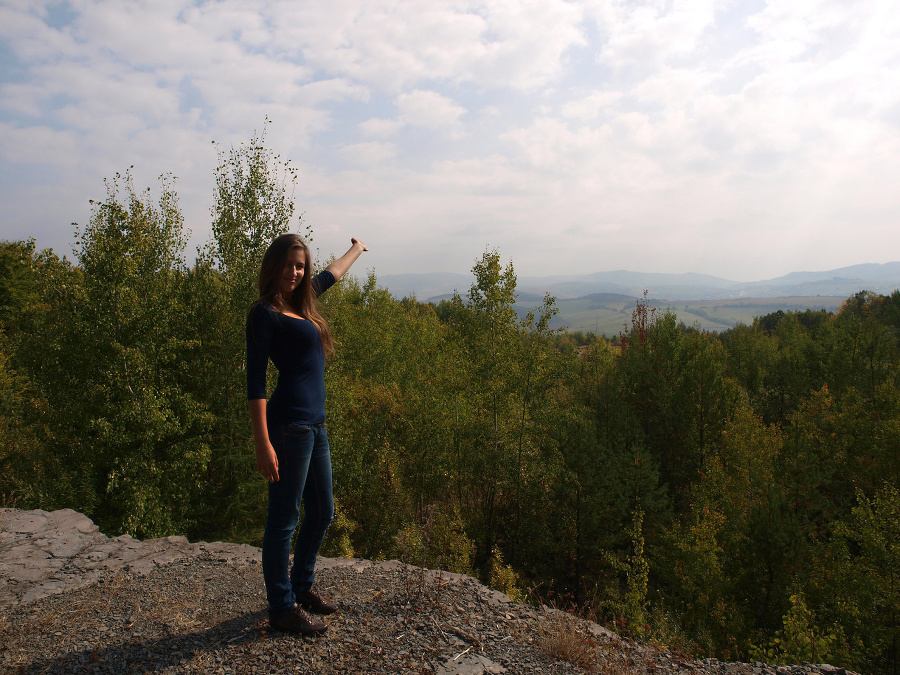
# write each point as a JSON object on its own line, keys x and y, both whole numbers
{"x": 292, "y": 450}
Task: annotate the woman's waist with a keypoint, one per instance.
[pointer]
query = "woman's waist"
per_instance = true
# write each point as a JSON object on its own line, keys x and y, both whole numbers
{"x": 298, "y": 405}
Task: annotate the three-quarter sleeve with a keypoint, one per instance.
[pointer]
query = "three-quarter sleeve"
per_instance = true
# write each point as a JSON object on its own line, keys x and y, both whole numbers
{"x": 322, "y": 282}
{"x": 260, "y": 325}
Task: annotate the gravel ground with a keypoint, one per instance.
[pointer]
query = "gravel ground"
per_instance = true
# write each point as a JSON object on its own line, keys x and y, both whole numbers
{"x": 207, "y": 615}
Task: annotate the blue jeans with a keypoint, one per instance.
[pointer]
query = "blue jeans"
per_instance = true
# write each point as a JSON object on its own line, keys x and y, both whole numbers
{"x": 304, "y": 470}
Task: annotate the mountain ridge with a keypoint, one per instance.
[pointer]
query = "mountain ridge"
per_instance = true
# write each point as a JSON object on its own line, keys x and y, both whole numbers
{"x": 687, "y": 286}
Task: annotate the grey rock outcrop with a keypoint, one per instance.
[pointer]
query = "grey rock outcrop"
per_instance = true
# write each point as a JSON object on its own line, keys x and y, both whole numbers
{"x": 173, "y": 606}
{"x": 48, "y": 552}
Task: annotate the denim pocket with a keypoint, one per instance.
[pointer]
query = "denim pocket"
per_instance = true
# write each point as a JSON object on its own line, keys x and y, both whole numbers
{"x": 296, "y": 430}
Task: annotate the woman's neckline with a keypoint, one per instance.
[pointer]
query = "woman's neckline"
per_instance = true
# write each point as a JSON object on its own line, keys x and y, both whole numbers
{"x": 288, "y": 314}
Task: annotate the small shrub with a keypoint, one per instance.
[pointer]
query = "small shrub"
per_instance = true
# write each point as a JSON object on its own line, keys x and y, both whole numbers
{"x": 338, "y": 543}
{"x": 800, "y": 640}
{"x": 440, "y": 542}
{"x": 410, "y": 545}
{"x": 504, "y": 578}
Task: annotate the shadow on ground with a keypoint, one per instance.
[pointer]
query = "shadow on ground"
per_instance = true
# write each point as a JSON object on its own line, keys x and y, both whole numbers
{"x": 159, "y": 653}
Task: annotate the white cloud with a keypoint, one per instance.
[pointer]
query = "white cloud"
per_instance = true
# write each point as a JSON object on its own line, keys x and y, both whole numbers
{"x": 37, "y": 144}
{"x": 591, "y": 106}
{"x": 369, "y": 153}
{"x": 419, "y": 108}
{"x": 429, "y": 109}
{"x": 602, "y": 133}
{"x": 646, "y": 34}
{"x": 394, "y": 45}
{"x": 336, "y": 89}
{"x": 380, "y": 127}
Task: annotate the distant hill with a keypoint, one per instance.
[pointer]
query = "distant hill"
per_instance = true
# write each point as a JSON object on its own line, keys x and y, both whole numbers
{"x": 880, "y": 278}
{"x": 602, "y": 302}
{"x": 609, "y": 314}
{"x": 426, "y": 287}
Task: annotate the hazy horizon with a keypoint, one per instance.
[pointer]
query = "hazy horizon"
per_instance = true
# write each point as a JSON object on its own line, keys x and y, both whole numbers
{"x": 646, "y": 272}
{"x": 361, "y": 269}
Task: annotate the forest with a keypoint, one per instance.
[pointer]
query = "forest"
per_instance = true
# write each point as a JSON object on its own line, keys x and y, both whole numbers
{"x": 728, "y": 494}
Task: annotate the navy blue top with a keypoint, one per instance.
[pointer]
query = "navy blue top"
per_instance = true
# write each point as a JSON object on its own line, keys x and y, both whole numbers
{"x": 295, "y": 349}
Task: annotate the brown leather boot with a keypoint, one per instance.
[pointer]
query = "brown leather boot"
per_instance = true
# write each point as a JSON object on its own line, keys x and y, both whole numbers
{"x": 313, "y": 602}
{"x": 298, "y": 621}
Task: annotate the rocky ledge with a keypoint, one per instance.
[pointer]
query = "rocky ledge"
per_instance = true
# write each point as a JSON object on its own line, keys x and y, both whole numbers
{"x": 75, "y": 601}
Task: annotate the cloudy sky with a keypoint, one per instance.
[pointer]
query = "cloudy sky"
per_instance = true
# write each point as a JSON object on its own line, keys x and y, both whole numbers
{"x": 740, "y": 138}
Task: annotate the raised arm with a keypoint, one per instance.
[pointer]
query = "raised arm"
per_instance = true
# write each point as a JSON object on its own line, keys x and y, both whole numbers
{"x": 340, "y": 266}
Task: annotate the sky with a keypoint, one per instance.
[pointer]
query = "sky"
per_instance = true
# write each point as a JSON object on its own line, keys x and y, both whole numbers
{"x": 740, "y": 138}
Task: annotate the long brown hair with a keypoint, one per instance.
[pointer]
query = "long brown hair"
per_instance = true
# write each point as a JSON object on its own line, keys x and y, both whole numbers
{"x": 303, "y": 300}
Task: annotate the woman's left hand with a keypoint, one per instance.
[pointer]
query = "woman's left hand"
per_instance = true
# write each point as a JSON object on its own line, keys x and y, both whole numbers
{"x": 340, "y": 266}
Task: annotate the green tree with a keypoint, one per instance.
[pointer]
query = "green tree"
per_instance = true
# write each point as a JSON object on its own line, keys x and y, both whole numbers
{"x": 111, "y": 368}
{"x": 868, "y": 602}
{"x": 487, "y": 447}
{"x": 253, "y": 205}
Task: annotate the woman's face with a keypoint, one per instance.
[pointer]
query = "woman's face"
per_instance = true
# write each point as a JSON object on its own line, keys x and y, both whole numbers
{"x": 293, "y": 270}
